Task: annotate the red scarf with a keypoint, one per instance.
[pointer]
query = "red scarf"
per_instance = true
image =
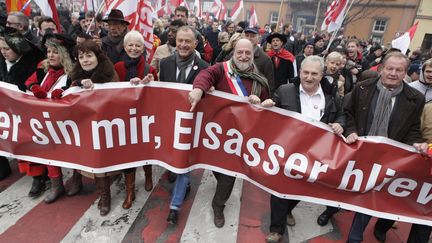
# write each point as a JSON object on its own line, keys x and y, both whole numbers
{"x": 51, "y": 79}
{"x": 281, "y": 54}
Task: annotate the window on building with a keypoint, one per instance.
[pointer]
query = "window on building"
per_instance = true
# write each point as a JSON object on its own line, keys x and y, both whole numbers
{"x": 379, "y": 26}
{"x": 274, "y": 17}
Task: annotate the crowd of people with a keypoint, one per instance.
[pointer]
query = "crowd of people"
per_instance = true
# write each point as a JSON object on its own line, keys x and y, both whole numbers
{"x": 356, "y": 87}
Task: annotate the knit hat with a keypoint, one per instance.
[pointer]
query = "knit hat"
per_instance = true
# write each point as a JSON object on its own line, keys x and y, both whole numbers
{"x": 309, "y": 43}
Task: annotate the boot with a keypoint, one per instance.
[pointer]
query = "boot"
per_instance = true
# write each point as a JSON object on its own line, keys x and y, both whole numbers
{"x": 38, "y": 187}
{"x": 148, "y": 186}
{"x": 103, "y": 184}
{"x": 130, "y": 189}
{"x": 74, "y": 184}
{"x": 5, "y": 169}
{"x": 57, "y": 189}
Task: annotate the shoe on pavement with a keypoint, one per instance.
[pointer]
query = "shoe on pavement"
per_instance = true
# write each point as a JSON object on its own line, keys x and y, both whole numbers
{"x": 273, "y": 237}
{"x": 324, "y": 218}
{"x": 291, "y": 220}
{"x": 379, "y": 236}
{"x": 172, "y": 216}
{"x": 219, "y": 219}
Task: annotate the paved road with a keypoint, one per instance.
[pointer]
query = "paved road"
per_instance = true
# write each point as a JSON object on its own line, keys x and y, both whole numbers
{"x": 76, "y": 219}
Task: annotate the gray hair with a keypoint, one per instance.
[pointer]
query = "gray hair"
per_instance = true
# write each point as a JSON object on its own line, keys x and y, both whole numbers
{"x": 187, "y": 28}
{"x": 133, "y": 35}
{"x": 22, "y": 19}
{"x": 310, "y": 59}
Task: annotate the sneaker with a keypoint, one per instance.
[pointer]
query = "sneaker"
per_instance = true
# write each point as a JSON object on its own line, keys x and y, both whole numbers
{"x": 172, "y": 216}
{"x": 273, "y": 237}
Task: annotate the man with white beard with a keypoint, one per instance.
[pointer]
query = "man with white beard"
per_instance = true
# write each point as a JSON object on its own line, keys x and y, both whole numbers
{"x": 237, "y": 76}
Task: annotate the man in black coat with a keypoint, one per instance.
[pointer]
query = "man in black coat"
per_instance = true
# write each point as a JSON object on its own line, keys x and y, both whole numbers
{"x": 181, "y": 67}
{"x": 311, "y": 96}
{"x": 387, "y": 107}
{"x": 112, "y": 44}
{"x": 282, "y": 59}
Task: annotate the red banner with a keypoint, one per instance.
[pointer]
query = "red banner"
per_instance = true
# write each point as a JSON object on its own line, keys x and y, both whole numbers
{"x": 117, "y": 126}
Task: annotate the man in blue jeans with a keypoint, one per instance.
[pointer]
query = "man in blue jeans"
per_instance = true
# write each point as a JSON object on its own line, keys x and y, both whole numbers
{"x": 181, "y": 67}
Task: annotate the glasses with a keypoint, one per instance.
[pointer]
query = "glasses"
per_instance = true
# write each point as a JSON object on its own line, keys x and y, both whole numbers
{"x": 10, "y": 23}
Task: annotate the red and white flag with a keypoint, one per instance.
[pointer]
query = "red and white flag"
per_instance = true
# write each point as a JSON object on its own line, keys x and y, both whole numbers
{"x": 183, "y": 3}
{"x": 402, "y": 43}
{"x": 49, "y": 8}
{"x": 236, "y": 11}
{"x": 253, "y": 21}
{"x": 197, "y": 8}
{"x": 128, "y": 8}
{"x": 144, "y": 25}
{"x": 89, "y": 5}
{"x": 218, "y": 8}
{"x": 335, "y": 15}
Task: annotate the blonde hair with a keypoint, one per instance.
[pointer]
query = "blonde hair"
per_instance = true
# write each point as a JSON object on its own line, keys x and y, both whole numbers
{"x": 334, "y": 56}
{"x": 65, "y": 58}
{"x": 231, "y": 43}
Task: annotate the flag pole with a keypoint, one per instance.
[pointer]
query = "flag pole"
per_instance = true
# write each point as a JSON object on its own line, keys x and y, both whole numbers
{"x": 25, "y": 5}
{"x": 337, "y": 30}
{"x": 317, "y": 15}
{"x": 96, "y": 13}
{"x": 279, "y": 15}
{"x": 243, "y": 11}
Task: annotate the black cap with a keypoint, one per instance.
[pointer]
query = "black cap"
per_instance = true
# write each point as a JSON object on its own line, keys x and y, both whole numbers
{"x": 251, "y": 30}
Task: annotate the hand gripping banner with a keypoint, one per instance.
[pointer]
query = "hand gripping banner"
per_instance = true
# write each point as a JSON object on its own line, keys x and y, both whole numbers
{"x": 117, "y": 126}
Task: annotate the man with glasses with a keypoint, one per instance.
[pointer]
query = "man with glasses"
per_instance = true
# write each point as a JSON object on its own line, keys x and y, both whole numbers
{"x": 20, "y": 22}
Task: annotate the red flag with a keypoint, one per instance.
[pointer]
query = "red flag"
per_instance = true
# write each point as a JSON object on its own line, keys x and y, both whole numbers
{"x": 335, "y": 15}
{"x": 144, "y": 25}
{"x": 402, "y": 43}
{"x": 253, "y": 22}
{"x": 235, "y": 12}
{"x": 16, "y": 6}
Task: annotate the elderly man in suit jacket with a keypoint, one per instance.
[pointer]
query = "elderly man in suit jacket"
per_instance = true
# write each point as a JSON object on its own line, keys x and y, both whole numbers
{"x": 181, "y": 67}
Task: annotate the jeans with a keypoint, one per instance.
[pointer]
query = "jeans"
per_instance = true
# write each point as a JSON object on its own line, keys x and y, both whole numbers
{"x": 360, "y": 223}
{"x": 179, "y": 190}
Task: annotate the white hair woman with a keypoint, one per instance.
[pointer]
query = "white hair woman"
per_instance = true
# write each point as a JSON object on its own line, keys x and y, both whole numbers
{"x": 133, "y": 69}
{"x": 333, "y": 66}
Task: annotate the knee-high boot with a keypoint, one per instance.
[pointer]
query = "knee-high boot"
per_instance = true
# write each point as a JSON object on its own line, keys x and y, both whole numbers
{"x": 148, "y": 186}
{"x": 130, "y": 189}
{"x": 103, "y": 184}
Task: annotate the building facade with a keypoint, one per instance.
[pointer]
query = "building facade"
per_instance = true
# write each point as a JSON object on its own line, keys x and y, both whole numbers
{"x": 423, "y": 37}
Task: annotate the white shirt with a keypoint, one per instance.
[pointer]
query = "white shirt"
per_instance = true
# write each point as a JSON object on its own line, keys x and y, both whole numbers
{"x": 188, "y": 69}
{"x": 312, "y": 106}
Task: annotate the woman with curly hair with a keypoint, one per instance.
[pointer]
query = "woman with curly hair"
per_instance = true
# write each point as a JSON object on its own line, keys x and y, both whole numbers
{"x": 50, "y": 76}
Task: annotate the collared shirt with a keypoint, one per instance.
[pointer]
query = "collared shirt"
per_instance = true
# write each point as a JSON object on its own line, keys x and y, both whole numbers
{"x": 10, "y": 64}
{"x": 312, "y": 106}
{"x": 188, "y": 69}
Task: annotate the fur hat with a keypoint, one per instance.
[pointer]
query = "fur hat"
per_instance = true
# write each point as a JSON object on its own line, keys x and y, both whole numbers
{"x": 16, "y": 41}
{"x": 60, "y": 40}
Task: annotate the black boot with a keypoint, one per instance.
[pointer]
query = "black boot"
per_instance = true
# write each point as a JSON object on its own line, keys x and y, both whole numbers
{"x": 5, "y": 169}
{"x": 57, "y": 189}
{"x": 38, "y": 186}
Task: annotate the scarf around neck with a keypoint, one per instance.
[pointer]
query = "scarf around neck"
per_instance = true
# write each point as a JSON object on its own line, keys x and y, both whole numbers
{"x": 381, "y": 118}
{"x": 182, "y": 65}
{"x": 259, "y": 81}
{"x": 131, "y": 65}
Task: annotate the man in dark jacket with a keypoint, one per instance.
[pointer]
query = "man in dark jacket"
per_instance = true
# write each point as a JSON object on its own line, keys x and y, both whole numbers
{"x": 309, "y": 96}
{"x": 20, "y": 22}
{"x": 112, "y": 44}
{"x": 261, "y": 60}
{"x": 283, "y": 60}
{"x": 181, "y": 67}
{"x": 387, "y": 107}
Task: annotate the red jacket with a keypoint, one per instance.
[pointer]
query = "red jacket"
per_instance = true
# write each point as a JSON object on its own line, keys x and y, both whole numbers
{"x": 122, "y": 71}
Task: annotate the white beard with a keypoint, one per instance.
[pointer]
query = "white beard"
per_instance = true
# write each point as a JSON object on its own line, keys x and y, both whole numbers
{"x": 243, "y": 66}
